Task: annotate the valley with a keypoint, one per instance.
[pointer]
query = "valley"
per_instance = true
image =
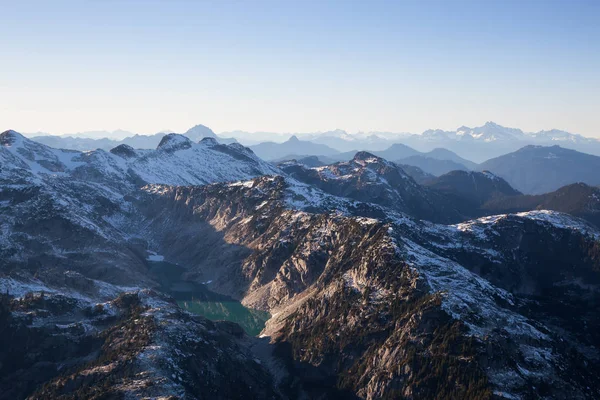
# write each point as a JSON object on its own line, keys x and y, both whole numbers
{"x": 298, "y": 200}
{"x": 198, "y": 299}
{"x": 135, "y": 273}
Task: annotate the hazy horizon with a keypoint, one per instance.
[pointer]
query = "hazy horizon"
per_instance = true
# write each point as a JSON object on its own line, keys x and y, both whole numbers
{"x": 396, "y": 66}
{"x": 122, "y": 133}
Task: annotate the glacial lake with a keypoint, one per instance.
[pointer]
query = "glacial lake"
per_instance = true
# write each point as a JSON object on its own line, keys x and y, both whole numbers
{"x": 198, "y": 299}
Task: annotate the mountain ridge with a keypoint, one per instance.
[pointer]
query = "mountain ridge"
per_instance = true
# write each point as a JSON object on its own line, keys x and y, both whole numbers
{"x": 499, "y": 304}
{"x": 478, "y": 144}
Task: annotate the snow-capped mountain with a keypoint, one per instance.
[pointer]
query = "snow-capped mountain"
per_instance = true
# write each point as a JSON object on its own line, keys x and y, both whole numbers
{"x": 556, "y": 135}
{"x": 372, "y": 179}
{"x": 353, "y": 290}
{"x": 435, "y": 162}
{"x": 365, "y": 299}
{"x": 493, "y": 132}
{"x": 490, "y": 132}
{"x": 492, "y": 140}
{"x": 48, "y": 193}
{"x": 176, "y": 161}
{"x": 472, "y": 143}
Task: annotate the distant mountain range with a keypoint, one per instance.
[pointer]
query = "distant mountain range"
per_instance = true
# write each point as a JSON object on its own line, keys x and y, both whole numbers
{"x": 118, "y": 134}
{"x": 93, "y": 140}
{"x": 271, "y": 150}
{"x": 539, "y": 169}
{"x": 477, "y": 144}
{"x": 531, "y": 169}
{"x": 452, "y": 197}
{"x": 435, "y": 162}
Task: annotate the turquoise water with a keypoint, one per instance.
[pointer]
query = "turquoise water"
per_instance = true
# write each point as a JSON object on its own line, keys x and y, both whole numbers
{"x": 252, "y": 321}
{"x": 198, "y": 299}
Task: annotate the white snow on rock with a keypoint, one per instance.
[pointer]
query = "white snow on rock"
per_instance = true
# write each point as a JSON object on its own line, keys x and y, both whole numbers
{"x": 177, "y": 161}
{"x": 482, "y": 227}
{"x": 152, "y": 256}
{"x": 467, "y": 296}
{"x": 561, "y": 220}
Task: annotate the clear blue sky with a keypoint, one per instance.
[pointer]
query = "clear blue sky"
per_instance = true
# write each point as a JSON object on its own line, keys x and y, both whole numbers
{"x": 297, "y": 66}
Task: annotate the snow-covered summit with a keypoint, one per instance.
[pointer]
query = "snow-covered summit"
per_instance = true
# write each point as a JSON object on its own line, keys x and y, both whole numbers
{"x": 489, "y": 132}
{"x": 9, "y": 137}
{"x": 124, "y": 151}
{"x": 174, "y": 141}
{"x": 199, "y": 131}
{"x": 209, "y": 141}
{"x": 177, "y": 161}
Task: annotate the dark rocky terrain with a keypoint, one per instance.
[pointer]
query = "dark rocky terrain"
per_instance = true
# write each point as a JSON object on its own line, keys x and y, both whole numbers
{"x": 483, "y": 193}
{"x": 476, "y": 187}
{"x": 471, "y": 287}
{"x": 469, "y": 190}
{"x": 370, "y": 296}
{"x": 368, "y": 178}
{"x": 577, "y": 199}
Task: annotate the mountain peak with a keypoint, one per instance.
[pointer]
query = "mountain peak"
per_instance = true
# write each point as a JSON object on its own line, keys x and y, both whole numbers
{"x": 400, "y": 146}
{"x": 173, "y": 142}
{"x": 10, "y": 137}
{"x": 124, "y": 151}
{"x": 492, "y": 124}
{"x": 199, "y": 131}
{"x": 365, "y": 156}
{"x": 210, "y": 141}
{"x": 293, "y": 139}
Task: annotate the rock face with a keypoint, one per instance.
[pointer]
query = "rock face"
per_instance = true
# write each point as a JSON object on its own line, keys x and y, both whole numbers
{"x": 139, "y": 345}
{"x": 68, "y": 209}
{"x": 420, "y": 176}
{"x": 476, "y": 194}
{"x": 367, "y": 298}
{"x": 172, "y": 142}
{"x": 349, "y": 293}
{"x": 476, "y": 187}
{"x": 368, "y": 178}
{"x": 124, "y": 151}
{"x": 469, "y": 190}
{"x": 577, "y": 199}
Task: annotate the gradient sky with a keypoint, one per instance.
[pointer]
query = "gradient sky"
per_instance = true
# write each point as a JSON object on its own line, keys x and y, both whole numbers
{"x": 299, "y": 66}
